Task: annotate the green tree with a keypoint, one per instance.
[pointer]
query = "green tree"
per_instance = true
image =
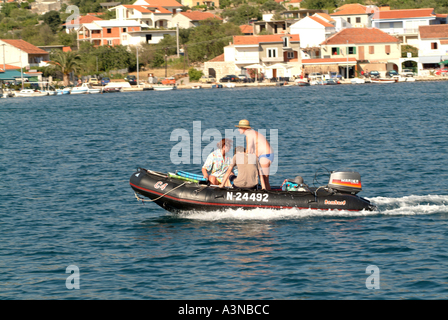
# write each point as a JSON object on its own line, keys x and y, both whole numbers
{"x": 242, "y": 14}
{"x": 271, "y": 6}
{"x": 65, "y": 62}
{"x": 67, "y": 39}
{"x": 167, "y": 46}
{"x": 7, "y": 8}
{"x": 320, "y": 4}
{"x": 208, "y": 40}
{"x": 53, "y": 20}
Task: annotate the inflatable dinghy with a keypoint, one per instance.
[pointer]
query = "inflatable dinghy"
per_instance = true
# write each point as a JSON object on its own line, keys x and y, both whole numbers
{"x": 180, "y": 191}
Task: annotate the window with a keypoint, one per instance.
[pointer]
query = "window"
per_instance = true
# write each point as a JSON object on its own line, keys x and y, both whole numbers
{"x": 272, "y": 53}
{"x": 349, "y": 20}
{"x": 351, "y": 50}
{"x": 387, "y": 49}
{"x": 433, "y": 45}
{"x": 334, "y": 51}
{"x": 109, "y": 30}
{"x": 371, "y": 49}
{"x": 285, "y": 42}
{"x": 124, "y": 29}
{"x": 109, "y": 42}
{"x": 290, "y": 54}
{"x": 358, "y": 19}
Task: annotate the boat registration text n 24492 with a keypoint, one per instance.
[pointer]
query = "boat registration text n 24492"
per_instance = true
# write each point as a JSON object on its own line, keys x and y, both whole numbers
{"x": 240, "y": 196}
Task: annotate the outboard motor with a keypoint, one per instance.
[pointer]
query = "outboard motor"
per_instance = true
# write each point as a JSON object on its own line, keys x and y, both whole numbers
{"x": 345, "y": 181}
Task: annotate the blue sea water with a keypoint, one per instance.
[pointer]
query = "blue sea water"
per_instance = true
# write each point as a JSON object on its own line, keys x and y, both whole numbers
{"x": 65, "y": 199}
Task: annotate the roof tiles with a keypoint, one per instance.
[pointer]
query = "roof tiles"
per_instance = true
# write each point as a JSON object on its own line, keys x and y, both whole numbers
{"x": 245, "y": 40}
{"x": 198, "y": 15}
{"x": 25, "y": 46}
{"x": 438, "y": 31}
{"x": 359, "y": 36}
{"x": 403, "y": 14}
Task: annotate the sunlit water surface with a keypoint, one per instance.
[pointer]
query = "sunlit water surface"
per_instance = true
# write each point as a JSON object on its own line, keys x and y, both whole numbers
{"x": 65, "y": 197}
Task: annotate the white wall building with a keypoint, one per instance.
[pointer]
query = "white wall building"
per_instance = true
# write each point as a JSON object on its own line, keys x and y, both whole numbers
{"x": 312, "y": 30}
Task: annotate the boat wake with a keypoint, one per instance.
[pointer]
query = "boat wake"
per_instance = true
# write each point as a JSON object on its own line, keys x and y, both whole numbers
{"x": 412, "y": 205}
{"x": 408, "y": 205}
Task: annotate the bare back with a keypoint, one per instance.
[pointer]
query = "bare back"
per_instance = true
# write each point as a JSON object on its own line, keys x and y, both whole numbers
{"x": 257, "y": 143}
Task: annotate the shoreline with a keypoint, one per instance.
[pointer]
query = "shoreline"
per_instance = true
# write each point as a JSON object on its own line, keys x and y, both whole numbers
{"x": 190, "y": 86}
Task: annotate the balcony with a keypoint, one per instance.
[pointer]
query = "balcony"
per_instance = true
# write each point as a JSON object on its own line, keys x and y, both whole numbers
{"x": 247, "y": 59}
{"x": 400, "y": 30}
{"x": 272, "y": 59}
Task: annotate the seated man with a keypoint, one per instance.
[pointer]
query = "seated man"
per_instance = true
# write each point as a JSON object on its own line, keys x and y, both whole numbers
{"x": 218, "y": 162}
{"x": 248, "y": 170}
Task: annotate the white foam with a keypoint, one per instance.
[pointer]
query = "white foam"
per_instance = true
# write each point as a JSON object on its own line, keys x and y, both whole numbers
{"x": 412, "y": 205}
{"x": 408, "y": 205}
{"x": 270, "y": 214}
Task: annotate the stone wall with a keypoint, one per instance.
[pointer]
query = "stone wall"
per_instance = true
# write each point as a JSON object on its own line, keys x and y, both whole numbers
{"x": 43, "y": 6}
{"x": 221, "y": 68}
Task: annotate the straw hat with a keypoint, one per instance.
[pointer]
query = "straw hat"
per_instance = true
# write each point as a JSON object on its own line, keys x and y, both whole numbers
{"x": 244, "y": 124}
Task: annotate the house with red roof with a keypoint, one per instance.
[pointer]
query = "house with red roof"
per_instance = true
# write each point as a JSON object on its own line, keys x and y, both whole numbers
{"x": 247, "y": 29}
{"x": 372, "y": 49}
{"x": 74, "y": 25}
{"x": 313, "y": 31}
{"x": 279, "y": 55}
{"x": 22, "y": 54}
{"x": 153, "y": 16}
{"x": 121, "y": 32}
{"x": 405, "y": 23}
{"x": 352, "y": 15}
{"x": 191, "y": 19}
{"x": 171, "y": 5}
{"x": 433, "y": 46}
{"x": 194, "y": 3}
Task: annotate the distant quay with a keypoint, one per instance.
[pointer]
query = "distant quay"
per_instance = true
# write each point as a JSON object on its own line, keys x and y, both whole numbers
{"x": 256, "y": 85}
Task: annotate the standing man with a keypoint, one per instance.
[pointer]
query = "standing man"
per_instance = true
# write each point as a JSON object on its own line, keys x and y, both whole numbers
{"x": 257, "y": 144}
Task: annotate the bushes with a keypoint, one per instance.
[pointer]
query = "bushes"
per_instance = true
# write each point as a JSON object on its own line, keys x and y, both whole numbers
{"x": 194, "y": 74}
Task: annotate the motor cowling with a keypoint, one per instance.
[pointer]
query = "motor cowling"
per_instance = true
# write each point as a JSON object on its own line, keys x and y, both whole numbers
{"x": 346, "y": 181}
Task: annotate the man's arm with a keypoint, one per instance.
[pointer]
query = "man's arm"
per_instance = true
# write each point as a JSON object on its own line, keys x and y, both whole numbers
{"x": 226, "y": 176}
{"x": 205, "y": 173}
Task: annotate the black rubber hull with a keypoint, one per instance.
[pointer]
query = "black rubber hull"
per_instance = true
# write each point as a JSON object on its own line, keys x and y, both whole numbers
{"x": 195, "y": 197}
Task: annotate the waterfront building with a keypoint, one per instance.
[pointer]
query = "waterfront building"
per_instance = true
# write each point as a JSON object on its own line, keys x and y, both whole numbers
{"x": 372, "y": 48}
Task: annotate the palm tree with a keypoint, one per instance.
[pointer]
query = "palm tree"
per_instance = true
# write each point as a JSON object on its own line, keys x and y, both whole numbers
{"x": 65, "y": 62}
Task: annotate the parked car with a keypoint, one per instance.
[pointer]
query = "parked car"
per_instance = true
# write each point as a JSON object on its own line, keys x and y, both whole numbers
{"x": 169, "y": 81}
{"x": 207, "y": 79}
{"x": 315, "y": 76}
{"x": 229, "y": 78}
{"x": 442, "y": 71}
{"x": 374, "y": 74}
{"x": 105, "y": 81}
{"x": 131, "y": 79}
{"x": 335, "y": 75}
{"x": 392, "y": 73}
{"x": 94, "y": 80}
{"x": 407, "y": 73}
{"x": 243, "y": 77}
